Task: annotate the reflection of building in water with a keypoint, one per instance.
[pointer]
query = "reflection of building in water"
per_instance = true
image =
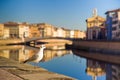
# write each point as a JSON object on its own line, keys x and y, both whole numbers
{"x": 18, "y": 53}
{"x": 4, "y": 53}
{"x": 113, "y": 72}
{"x": 108, "y": 72}
{"x": 95, "y": 69}
{"x": 22, "y": 53}
{"x": 50, "y": 54}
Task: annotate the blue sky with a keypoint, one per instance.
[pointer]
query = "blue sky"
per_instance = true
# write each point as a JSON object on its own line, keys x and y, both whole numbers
{"x": 69, "y": 14}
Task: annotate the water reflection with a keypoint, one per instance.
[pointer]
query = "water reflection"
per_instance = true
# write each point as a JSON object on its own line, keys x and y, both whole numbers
{"x": 95, "y": 69}
{"x": 18, "y": 52}
{"x": 112, "y": 72}
{"x": 57, "y": 59}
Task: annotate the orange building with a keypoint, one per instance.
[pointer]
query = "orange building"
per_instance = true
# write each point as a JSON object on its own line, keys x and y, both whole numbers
{"x": 46, "y": 30}
{"x": 34, "y": 31}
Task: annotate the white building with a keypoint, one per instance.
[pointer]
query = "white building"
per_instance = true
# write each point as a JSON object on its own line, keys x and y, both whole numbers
{"x": 6, "y": 33}
{"x": 60, "y": 32}
{"x": 72, "y": 34}
{"x": 115, "y": 24}
{"x": 115, "y": 72}
{"x": 93, "y": 33}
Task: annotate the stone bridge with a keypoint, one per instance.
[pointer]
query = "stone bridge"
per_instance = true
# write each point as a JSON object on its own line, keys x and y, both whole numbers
{"x": 35, "y": 40}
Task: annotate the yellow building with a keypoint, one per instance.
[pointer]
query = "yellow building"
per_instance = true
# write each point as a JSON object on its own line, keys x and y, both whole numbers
{"x": 16, "y": 30}
{"x": 95, "y": 69}
{"x": 6, "y": 33}
{"x": 1, "y": 30}
{"x": 46, "y": 30}
{"x": 34, "y": 31}
{"x": 94, "y": 21}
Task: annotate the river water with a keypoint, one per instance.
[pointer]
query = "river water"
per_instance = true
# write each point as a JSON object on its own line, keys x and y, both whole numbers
{"x": 58, "y": 59}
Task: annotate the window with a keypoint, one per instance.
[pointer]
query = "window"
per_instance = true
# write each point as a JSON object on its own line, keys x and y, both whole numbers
{"x": 113, "y": 28}
{"x": 114, "y": 22}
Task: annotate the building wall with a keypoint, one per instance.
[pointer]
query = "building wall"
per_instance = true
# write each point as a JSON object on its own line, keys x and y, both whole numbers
{"x": 109, "y": 27}
{"x": 46, "y": 30}
{"x": 113, "y": 21}
{"x": 115, "y": 72}
{"x": 24, "y": 30}
{"x": 72, "y": 34}
{"x": 95, "y": 69}
{"x": 6, "y": 33}
{"x": 115, "y": 26}
{"x": 34, "y": 31}
{"x": 60, "y": 32}
{"x": 1, "y": 30}
{"x": 21, "y": 31}
{"x": 13, "y": 29}
{"x": 93, "y": 33}
{"x": 67, "y": 33}
{"x": 93, "y": 26}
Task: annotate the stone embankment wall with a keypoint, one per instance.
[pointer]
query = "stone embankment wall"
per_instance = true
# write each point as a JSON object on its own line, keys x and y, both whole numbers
{"x": 101, "y": 46}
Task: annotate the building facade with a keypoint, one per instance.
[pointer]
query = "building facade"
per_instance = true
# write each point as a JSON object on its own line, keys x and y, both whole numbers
{"x": 95, "y": 69}
{"x": 43, "y": 30}
{"x": 34, "y": 31}
{"x": 15, "y": 30}
{"x": 46, "y": 30}
{"x": 113, "y": 24}
{"x": 1, "y": 31}
{"x": 94, "y": 25}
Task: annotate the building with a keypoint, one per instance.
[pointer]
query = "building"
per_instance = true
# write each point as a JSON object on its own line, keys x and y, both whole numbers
{"x": 115, "y": 72}
{"x": 34, "y": 31}
{"x": 72, "y": 33}
{"x": 82, "y": 34}
{"x": 61, "y": 32}
{"x": 95, "y": 69}
{"x": 6, "y": 33}
{"x": 79, "y": 34}
{"x": 108, "y": 26}
{"x": 1, "y": 31}
{"x": 15, "y": 30}
{"x": 94, "y": 25}
{"x": 67, "y": 33}
{"x": 46, "y": 30}
{"x": 43, "y": 30}
{"x": 113, "y": 24}
{"x": 112, "y": 72}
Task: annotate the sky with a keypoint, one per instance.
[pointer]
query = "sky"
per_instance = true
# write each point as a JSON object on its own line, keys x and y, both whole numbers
{"x": 69, "y": 14}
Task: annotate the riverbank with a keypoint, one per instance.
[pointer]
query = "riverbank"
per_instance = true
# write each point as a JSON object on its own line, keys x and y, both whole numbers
{"x": 13, "y": 70}
{"x": 107, "y": 47}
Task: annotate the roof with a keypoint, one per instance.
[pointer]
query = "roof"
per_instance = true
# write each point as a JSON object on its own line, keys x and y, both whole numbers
{"x": 94, "y": 18}
{"x": 115, "y": 10}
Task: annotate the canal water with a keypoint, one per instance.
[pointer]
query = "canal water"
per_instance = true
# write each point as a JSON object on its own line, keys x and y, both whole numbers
{"x": 58, "y": 59}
